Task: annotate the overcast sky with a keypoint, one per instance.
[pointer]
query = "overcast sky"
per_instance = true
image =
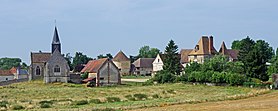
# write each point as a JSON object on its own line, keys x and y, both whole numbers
{"x": 106, "y": 26}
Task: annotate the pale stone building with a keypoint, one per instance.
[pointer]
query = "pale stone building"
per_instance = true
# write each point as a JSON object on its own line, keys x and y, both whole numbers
{"x": 102, "y": 72}
{"x": 143, "y": 66}
{"x": 203, "y": 50}
{"x": 51, "y": 67}
{"x": 122, "y": 62}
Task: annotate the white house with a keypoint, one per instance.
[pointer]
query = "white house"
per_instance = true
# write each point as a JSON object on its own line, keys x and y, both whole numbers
{"x": 158, "y": 63}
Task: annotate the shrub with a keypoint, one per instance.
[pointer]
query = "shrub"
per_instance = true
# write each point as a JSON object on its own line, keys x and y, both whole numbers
{"x": 218, "y": 77}
{"x": 17, "y": 107}
{"x": 45, "y": 105}
{"x": 140, "y": 96}
{"x": 235, "y": 79}
{"x": 113, "y": 99}
{"x": 4, "y": 103}
{"x": 46, "y": 102}
{"x": 164, "y": 77}
{"x": 95, "y": 101}
{"x": 81, "y": 102}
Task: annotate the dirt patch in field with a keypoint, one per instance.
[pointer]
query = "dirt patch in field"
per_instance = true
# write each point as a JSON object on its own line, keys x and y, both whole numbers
{"x": 267, "y": 102}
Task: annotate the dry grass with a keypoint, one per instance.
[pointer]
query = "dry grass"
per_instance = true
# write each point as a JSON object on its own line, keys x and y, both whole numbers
{"x": 30, "y": 94}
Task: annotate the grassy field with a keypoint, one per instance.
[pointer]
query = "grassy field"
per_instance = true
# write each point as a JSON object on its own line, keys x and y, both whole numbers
{"x": 39, "y": 96}
{"x": 136, "y": 77}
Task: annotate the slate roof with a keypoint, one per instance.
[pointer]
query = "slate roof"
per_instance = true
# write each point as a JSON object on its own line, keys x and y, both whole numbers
{"x": 40, "y": 57}
{"x": 120, "y": 57}
{"x": 56, "y": 39}
{"x": 229, "y": 52}
{"x": 93, "y": 65}
{"x": 144, "y": 62}
{"x": 184, "y": 55}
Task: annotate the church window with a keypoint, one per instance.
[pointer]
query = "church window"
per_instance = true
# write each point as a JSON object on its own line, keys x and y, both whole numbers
{"x": 56, "y": 68}
{"x": 38, "y": 70}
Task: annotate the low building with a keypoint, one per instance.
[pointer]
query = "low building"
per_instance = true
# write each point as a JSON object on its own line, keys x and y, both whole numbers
{"x": 230, "y": 53}
{"x": 122, "y": 62}
{"x": 102, "y": 72}
{"x": 143, "y": 66}
{"x": 13, "y": 73}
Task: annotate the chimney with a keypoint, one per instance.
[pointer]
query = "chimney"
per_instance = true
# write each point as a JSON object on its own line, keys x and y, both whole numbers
{"x": 210, "y": 44}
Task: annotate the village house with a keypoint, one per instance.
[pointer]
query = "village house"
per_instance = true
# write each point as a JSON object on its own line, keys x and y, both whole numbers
{"x": 13, "y": 73}
{"x": 122, "y": 62}
{"x": 52, "y": 67}
{"x": 143, "y": 66}
{"x": 203, "y": 50}
{"x": 102, "y": 72}
{"x": 230, "y": 53}
{"x": 158, "y": 63}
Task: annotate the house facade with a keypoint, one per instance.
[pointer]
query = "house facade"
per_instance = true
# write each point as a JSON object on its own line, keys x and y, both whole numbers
{"x": 102, "y": 72}
{"x": 203, "y": 50}
{"x": 122, "y": 62}
{"x": 158, "y": 63}
{"x": 230, "y": 53}
{"x": 13, "y": 73}
{"x": 143, "y": 66}
{"x": 50, "y": 66}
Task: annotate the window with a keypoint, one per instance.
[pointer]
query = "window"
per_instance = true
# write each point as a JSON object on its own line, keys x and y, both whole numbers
{"x": 157, "y": 60}
{"x": 38, "y": 70}
{"x": 196, "y": 47}
{"x": 56, "y": 69}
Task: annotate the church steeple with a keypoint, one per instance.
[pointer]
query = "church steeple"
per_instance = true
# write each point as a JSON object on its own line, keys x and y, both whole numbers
{"x": 56, "y": 41}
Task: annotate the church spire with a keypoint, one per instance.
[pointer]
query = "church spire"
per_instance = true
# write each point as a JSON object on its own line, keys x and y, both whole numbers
{"x": 56, "y": 41}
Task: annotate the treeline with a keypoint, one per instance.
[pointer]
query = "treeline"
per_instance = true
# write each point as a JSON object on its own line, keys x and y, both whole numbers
{"x": 8, "y": 63}
{"x": 252, "y": 64}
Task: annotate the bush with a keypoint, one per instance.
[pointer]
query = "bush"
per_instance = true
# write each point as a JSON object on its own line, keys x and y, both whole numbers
{"x": 164, "y": 77}
{"x": 95, "y": 101}
{"x": 113, "y": 99}
{"x": 140, "y": 96}
{"x": 45, "y": 105}
{"x": 46, "y": 102}
{"x": 235, "y": 79}
{"x": 4, "y": 103}
{"x": 17, "y": 107}
{"x": 81, "y": 102}
{"x": 218, "y": 77}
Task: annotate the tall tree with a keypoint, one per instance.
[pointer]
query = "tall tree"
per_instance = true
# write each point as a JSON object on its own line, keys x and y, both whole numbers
{"x": 273, "y": 68}
{"x": 68, "y": 58}
{"x": 8, "y": 63}
{"x": 79, "y": 59}
{"x": 172, "y": 62}
{"x": 147, "y": 52}
{"x": 105, "y": 56}
{"x": 236, "y": 45}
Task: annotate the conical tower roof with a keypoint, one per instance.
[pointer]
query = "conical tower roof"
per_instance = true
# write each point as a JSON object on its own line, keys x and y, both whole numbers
{"x": 56, "y": 39}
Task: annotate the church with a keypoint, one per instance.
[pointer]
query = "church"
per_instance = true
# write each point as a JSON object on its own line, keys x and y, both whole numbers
{"x": 50, "y": 66}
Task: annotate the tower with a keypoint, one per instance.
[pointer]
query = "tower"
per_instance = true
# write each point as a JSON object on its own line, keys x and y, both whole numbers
{"x": 56, "y": 41}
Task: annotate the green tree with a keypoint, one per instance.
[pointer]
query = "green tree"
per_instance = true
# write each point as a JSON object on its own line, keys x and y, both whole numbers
{"x": 147, "y": 52}
{"x": 79, "y": 59}
{"x": 273, "y": 68}
{"x": 8, "y": 63}
{"x": 172, "y": 62}
{"x": 105, "y": 56}
{"x": 236, "y": 45}
{"x": 218, "y": 63}
{"x": 68, "y": 58}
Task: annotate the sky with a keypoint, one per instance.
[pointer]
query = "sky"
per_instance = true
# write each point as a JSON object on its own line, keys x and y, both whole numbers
{"x": 96, "y": 27}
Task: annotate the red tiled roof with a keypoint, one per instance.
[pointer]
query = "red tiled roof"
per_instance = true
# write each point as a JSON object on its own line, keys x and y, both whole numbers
{"x": 89, "y": 79}
{"x": 229, "y": 52}
{"x": 93, "y": 65}
{"x": 40, "y": 57}
{"x": 184, "y": 55}
{"x": 120, "y": 57}
{"x": 6, "y": 73}
{"x": 203, "y": 47}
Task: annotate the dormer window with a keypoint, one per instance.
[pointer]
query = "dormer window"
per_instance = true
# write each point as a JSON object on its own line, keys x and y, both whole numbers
{"x": 197, "y": 47}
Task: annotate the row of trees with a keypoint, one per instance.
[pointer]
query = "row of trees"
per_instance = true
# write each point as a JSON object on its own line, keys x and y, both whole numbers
{"x": 252, "y": 63}
{"x": 8, "y": 63}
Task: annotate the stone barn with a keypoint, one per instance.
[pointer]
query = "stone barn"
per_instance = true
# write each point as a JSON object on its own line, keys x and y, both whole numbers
{"x": 102, "y": 72}
{"x": 275, "y": 80}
